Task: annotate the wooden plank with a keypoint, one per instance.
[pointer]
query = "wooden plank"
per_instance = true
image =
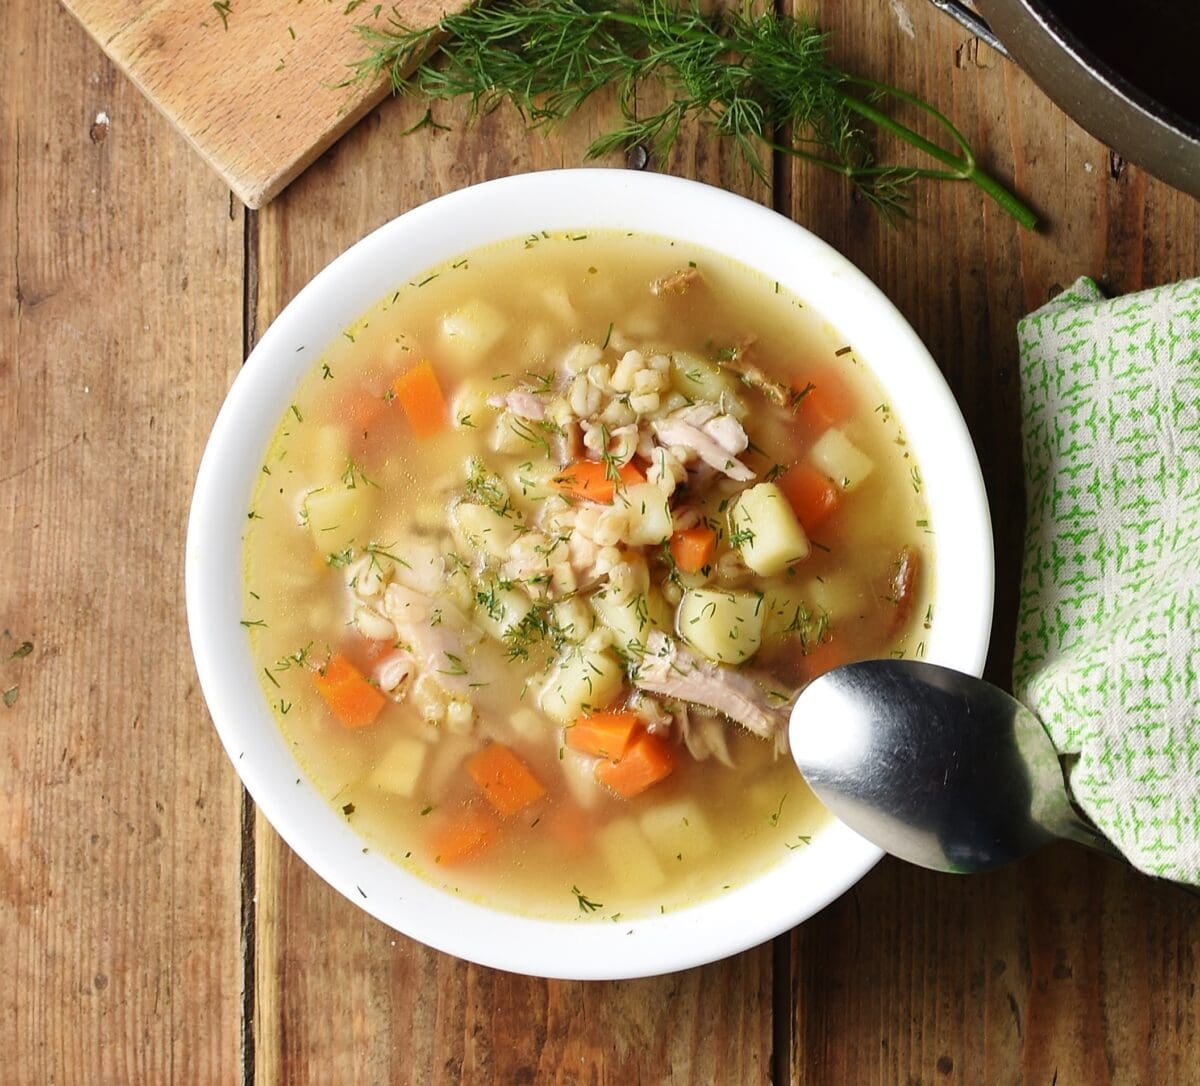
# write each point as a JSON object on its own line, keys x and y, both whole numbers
{"x": 119, "y": 331}
{"x": 257, "y": 87}
{"x": 1066, "y": 967}
{"x": 339, "y": 997}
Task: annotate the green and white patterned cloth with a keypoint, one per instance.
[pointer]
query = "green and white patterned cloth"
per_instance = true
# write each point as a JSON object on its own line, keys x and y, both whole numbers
{"x": 1108, "y": 636}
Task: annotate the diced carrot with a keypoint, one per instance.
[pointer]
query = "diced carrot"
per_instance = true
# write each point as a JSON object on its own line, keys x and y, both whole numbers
{"x": 569, "y": 825}
{"x": 464, "y": 834}
{"x": 420, "y": 394}
{"x": 811, "y": 494}
{"x": 606, "y": 735}
{"x": 825, "y": 401}
{"x": 504, "y": 779}
{"x": 646, "y": 761}
{"x": 589, "y": 479}
{"x": 354, "y": 701}
{"x": 692, "y": 549}
{"x": 824, "y": 657}
{"x": 363, "y": 410}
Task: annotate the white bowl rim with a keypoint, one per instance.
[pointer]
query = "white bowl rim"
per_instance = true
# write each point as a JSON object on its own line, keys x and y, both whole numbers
{"x": 514, "y": 206}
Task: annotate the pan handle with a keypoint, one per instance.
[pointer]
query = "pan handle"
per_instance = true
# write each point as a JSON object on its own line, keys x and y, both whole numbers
{"x": 972, "y": 21}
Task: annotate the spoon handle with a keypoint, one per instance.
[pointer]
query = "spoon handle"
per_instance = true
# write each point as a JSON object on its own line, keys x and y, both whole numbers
{"x": 1084, "y": 833}
{"x": 1077, "y": 829}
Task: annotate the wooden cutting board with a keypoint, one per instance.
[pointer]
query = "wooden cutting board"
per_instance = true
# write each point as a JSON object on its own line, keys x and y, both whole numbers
{"x": 252, "y": 84}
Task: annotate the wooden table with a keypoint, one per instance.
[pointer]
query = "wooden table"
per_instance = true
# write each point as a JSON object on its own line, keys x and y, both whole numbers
{"x": 153, "y": 928}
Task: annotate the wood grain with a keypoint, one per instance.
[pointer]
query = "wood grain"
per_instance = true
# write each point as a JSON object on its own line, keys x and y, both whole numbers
{"x": 259, "y": 88}
{"x": 120, "y": 328}
{"x": 129, "y": 287}
{"x": 1066, "y": 967}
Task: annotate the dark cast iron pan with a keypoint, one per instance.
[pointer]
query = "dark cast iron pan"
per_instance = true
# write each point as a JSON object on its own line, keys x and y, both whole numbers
{"x": 1126, "y": 70}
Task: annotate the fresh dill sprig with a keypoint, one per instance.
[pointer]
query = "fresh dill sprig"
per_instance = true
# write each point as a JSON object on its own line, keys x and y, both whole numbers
{"x": 762, "y": 80}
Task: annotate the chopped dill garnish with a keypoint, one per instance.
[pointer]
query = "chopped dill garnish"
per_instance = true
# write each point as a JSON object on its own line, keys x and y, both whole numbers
{"x": 378, "y": 550}
{"x": 586, "y": 905}
{"x": 353, "y": 475}
{"x": 487, "y": 488}
{"x": 741, "y": 537}
{"x": 457, "y": 667}
{"x": 528, "y": 434}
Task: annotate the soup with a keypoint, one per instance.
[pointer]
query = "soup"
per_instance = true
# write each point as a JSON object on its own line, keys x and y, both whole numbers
{"x": 542, "y": 552}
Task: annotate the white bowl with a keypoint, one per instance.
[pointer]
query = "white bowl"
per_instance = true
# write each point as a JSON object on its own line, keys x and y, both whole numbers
{"x": 804, "y": 881}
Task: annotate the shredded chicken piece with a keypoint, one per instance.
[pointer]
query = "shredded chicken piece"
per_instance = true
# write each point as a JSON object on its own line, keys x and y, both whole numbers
{"x": 520, "y": 402}
{"x": 568, "y": 443}
{"x": 703, "y": 735}
{"x": 724, "y": 429}
{"x": 779, "y": 394}
{"x": 438, "y": 634}
{"x": 393, "y": 673}
{"x": 651, "y": 713}
{"x": 674, "y": 671}
{"x": 714, "y": 437}
{"x": 903, "y": 585}
{"x": 676, "y": 283}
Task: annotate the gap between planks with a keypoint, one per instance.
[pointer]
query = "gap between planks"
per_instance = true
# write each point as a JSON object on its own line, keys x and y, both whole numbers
{"x": 249, "y": 915}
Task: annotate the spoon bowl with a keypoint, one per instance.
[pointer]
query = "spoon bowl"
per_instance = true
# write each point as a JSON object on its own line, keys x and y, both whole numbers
{"x": 937, "y": 767}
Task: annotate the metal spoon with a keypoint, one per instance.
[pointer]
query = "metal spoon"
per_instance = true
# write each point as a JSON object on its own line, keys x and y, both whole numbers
{"x": 939, "y": 768}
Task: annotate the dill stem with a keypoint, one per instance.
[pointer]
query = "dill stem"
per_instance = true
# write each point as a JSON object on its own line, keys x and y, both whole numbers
{"x": 964, "y": 169}
{"x": 844, "y": 169}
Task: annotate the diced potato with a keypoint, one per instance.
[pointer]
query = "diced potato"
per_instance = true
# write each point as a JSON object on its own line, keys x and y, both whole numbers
{"x": 338, "y": 515}
{"x": 583, "y": 679}
{"x": 574, "y": 619}
{"x": 558, "y": 302}
{"x": 838, "y": 594}
{"x": 649, "y": 515}
{"x": 519, "y": 437}
{"x": 839, "y": 458}
{"x": 471, "y": 409}
{"x": 724, "y": 626}
{"x": 472, "y": 330}
{"x": 530, "y": 725}
{"x": 502, "y": 612}
{"x": 579, "y": 775}
{"x": 631, "y": 621}
{"x": 327, "y": 455}
{"x": 787, "y": 608}
{"x": 699, "y": 379}
{"x": 481, "y": 527}
{"x": 529, "y": 484}
{"x": 399, "y": 770}
{"x": 444, "y": 767}
{"x": 629, "y": 857}
{"x": 766, "y": 530}
{"x": 678, "y": 831}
